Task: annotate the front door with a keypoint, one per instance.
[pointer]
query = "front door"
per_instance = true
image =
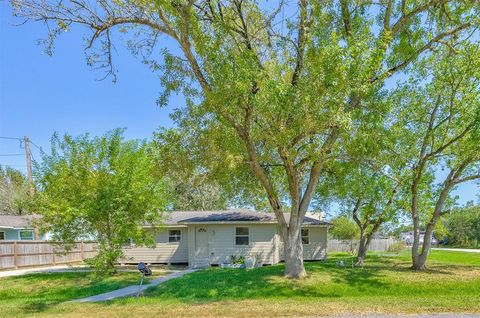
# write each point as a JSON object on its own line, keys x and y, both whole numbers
{"x": 201, "y": 242}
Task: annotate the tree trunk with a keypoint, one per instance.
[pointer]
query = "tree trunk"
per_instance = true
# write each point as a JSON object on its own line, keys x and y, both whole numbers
{"x": 419, "y": 262}
{"x": 416, "y": 242}
{"x": 421, "y": 258}
{"x": 293, "y": 249}
{"x": 362, "y": 248}
{"x": 416, "y": 225}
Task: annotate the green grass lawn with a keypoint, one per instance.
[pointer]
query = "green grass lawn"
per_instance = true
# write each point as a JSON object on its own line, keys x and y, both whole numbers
{"x": 34, "y": 293}
{"x": 384, "y": 285}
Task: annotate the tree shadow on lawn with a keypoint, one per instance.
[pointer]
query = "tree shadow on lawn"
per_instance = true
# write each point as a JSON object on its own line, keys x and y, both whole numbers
{"x": 397, "y": 264}
{"x": 325, "y": 280}
{"x": 217, "y": 284}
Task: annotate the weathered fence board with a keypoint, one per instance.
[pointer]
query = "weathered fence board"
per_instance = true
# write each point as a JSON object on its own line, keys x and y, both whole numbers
{"x": 379, "y": 245}
{"x": 16, "y": 254}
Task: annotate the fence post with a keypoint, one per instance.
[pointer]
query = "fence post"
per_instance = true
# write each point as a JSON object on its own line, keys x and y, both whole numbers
{"x": 82, "y": 250}
{"x": 53, "y": 254}
{"x": 15, "y": 261}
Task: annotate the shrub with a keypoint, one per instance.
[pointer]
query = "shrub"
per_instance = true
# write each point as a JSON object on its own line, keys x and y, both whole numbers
{"x": 397, "y": 247}
{"x": 236, "y": 259}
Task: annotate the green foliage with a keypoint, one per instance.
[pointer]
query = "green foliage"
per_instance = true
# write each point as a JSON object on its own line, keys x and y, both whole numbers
{"x": 437, "y": 126}
{"x": 101, "y": 188}
{"x": 194, "y": 180}
{"x": 14, "y": 197}
{"x": 344, "y": 229}
{"x": 463, "y": 225}
{"x": 237, "y": 259}
{"x": 397, "y": 230}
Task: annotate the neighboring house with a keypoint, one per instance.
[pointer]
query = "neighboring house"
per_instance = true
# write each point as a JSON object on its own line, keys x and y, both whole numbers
{"x": 202, "y": 238}
{"x": 407, "y": 237}
{"x": 19, "y": 227}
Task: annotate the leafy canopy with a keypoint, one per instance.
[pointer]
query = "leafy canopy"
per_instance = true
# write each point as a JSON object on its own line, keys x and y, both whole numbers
{"x": 102, "y": 188}
{"x": 14, "y": 187}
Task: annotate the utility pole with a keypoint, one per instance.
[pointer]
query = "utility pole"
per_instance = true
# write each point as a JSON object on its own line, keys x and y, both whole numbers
{"x": 29, "y": 164}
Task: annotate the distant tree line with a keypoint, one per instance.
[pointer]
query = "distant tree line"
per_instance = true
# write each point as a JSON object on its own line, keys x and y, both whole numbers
{"x": 462, "y": 227}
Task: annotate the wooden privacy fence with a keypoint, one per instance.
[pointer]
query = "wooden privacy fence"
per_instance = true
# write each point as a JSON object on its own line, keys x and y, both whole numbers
{"x": 379, "y": 245}
{"x": 16, "y": 254}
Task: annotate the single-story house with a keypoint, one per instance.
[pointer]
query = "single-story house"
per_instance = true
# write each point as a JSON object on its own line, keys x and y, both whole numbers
{"x": 19, "y": 227}
{"x": 204, "y": 238}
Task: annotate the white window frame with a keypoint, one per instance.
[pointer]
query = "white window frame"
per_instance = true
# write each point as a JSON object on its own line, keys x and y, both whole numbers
{"x": 307, "y": 236}
{"x": 26, "y": 230}
{"x": 242, "y": 235}
{"x": 175, "y": 236}
{"x": 4, "y": 236}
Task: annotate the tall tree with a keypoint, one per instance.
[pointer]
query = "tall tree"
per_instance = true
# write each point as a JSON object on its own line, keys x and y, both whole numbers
{"x": 439, "y": 116}
{"x": 365, "y": 181}
{"x": 14, "y": 198}
{"x": 101, "y": 188}
{"x": 370, "y": 196}
{"x": 281, "y": 83}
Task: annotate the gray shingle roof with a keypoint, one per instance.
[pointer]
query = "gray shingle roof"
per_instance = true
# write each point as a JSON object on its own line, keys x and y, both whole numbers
{"x": 17, "y": 221}
{"x": 234, "y": 215}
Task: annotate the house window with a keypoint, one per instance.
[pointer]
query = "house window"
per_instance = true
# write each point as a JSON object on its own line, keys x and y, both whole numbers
{"x": 2, "y": 236}
{"x": 174, "y": 236}
{"x": 305, "y": 238}
{"x": 242, "y": 236}
{"x": 25, "y": 234}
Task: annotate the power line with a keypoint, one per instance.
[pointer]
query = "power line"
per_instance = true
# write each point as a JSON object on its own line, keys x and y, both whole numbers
{"x": 11, "y": 154}
{"x": 20, "y": 140}
{"x": 11, "y": 138}
{"x": 39, "y": 148}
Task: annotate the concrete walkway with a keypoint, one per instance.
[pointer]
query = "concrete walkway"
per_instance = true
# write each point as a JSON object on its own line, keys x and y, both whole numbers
{"x": 467, "y": 250}
{"x": 46, "y": 269}
{"x": 133, "y": 290}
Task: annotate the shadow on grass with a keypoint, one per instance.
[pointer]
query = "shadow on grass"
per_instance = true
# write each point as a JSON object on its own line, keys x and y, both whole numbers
{"x": 326, "y": 280}
{"x": 217, "y": 284}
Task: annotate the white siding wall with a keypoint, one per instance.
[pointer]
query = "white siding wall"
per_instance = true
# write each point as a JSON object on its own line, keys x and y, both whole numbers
{"x": 265, "y": 242}
{"x": 222, "y": 243}
{"x": 317, "y": 247}
{"x": 164, "y": 252}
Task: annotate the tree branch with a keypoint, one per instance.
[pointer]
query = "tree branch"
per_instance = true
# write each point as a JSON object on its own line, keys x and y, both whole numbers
{"x": 315, "y": 172}
{"x": 300, "y": 42}
{"x": 420, "y": 50}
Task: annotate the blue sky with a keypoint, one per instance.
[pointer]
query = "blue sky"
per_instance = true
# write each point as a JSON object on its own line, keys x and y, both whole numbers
{"x": 41, "y": 94}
